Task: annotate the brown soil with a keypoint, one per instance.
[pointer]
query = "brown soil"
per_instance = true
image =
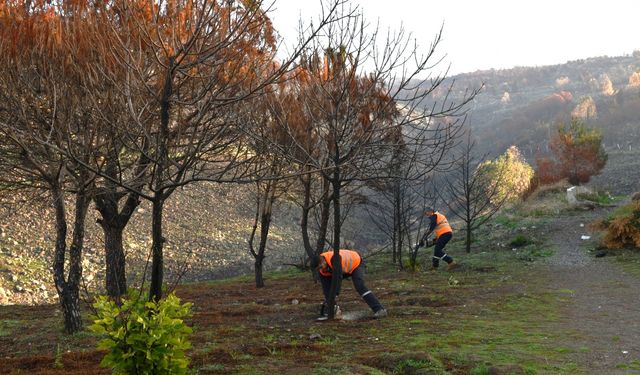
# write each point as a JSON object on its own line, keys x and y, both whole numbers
{"x": 274, "y": 325}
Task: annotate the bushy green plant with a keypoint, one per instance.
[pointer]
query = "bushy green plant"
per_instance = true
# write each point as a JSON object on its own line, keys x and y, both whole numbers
{"x": 520, "y": 241}
{"x": 509, "y": 176}
{"x": 143, "y": 337}
{"x": 411, "y": 265}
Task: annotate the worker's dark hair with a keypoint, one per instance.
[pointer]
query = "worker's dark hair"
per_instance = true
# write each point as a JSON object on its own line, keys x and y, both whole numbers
{"x": 429, "y": 209}
{"x": 314, "y": 261}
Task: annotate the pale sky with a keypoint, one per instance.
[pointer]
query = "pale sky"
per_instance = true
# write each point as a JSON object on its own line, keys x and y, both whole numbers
{"x": 485, "y": 34}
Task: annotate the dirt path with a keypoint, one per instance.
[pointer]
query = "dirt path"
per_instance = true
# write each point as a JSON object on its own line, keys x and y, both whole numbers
{"x": 604, "y": 301}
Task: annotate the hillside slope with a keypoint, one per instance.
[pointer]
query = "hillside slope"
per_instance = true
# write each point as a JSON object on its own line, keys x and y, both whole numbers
{"x": 522, "y": 107}
{"x": 207, "y": 226}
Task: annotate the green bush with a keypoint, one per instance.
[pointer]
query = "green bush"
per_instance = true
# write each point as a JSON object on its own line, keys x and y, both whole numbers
{"x": 520, "y": 241}
{"x": 507, "y": 178}
{"x": 143, "y": 337}
{"x": 412, "y": 266}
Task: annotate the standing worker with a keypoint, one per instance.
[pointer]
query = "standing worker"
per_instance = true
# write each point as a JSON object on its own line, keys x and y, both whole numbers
{"x": 438, "y": 223}
{"x": 352, "y": 266}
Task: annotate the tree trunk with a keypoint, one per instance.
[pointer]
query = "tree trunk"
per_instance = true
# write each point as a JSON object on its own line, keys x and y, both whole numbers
{"x": 157, "y": 245}
{"x": 77, "y": 242}
{"x": 265, "y": 224}
{"x": 162, "y": 163}
{"x": 258, "y": 271}
{"x": 70, "y": 304}
{"x": 397, "y": 225}
{"x": 325, "y": 210}
{"x": 306, "y": 209}
{"x": 336, "y": 260}
{"x": 68, "y": 289}
{"x": 113, "y": 222}
{"x": 116, "y": 280}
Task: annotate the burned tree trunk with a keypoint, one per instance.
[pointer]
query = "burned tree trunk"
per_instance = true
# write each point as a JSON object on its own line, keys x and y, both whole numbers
{"x": 68, "y": 288}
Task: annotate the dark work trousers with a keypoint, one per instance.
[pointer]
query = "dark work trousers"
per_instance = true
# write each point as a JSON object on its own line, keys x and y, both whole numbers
{"x": 438, "y": 251}
{"x": 358, "y": 283}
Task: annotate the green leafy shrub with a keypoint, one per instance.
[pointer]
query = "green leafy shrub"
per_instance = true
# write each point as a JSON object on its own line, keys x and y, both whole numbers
{"x": 143, "y": 337}
{"x": 520, "y": 241}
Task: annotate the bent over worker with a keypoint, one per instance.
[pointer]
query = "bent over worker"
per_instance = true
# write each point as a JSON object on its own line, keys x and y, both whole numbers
{"x": 352, "y": 266}
{"x": 443, "y": 233}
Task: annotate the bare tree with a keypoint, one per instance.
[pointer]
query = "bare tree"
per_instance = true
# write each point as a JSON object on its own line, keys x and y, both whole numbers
{"x": 190, "y": 70}
{"x": 467, "y": 193}
{"x": 362, "y": 104}
{"x": 42, "y": 111}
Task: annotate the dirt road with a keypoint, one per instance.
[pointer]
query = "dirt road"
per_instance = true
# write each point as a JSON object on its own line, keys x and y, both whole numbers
{"x": 603, "y": 301}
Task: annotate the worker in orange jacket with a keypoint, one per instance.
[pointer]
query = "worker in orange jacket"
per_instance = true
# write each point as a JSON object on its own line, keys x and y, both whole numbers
{"x": 353, "y": 267}
{"x": 443, "y": 233}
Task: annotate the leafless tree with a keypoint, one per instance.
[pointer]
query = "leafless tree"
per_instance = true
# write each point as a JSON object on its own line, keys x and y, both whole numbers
{"x": 190, "y": 72}
{"x": 362, "y": 104}
{"x": 467, "y": 194}
{"x": 40, "y": 106}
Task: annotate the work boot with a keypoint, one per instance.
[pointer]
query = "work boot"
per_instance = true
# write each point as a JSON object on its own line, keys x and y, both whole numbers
{"x": 324, "y": 312}
{"x": 452, "y": 265}
{"x": 323, "y": 309}
{"x": 380, "y": 313}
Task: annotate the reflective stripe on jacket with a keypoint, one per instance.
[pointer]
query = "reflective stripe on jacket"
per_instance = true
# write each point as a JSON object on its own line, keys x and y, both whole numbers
{"x": 442, "y": 225}
{"x": 350, "y": 261}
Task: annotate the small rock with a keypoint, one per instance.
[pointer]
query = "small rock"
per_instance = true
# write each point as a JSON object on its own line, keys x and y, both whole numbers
{"x": 19, "y": 288}
{"x": 295, "y": 302}
{"x": 601, "y": 254}
{"x": 315, "y": 336}
{"x": 14, "y": 278}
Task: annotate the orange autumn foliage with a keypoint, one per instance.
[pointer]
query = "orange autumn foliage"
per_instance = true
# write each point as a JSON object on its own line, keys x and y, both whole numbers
{"x": 623, "y": 230}
{"x": 578, "y": 155}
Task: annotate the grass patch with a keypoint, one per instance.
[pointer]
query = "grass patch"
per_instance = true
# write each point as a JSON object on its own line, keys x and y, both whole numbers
{"x": 8, "y": 327}
{"x": 520, "y": 241}
{"x": 408, "y": 366}
{"x": 629, "y": 259}
{"x": 507, "y": 221}
{"x": 492, "y": 312}
{"x": 599, "y": 196}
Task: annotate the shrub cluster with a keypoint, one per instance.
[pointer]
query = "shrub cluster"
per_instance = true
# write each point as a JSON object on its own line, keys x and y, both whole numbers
{"x": 142, "y": 336}
{"x": 623, "y": 229}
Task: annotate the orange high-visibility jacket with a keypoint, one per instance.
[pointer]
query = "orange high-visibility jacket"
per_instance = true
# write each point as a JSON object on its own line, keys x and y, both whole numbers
{"x": 442, "y": 225}
{"x": 350, "y": 261}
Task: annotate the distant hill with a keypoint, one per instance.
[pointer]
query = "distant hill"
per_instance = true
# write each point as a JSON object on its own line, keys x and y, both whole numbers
{"x": 521, "y": 106}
